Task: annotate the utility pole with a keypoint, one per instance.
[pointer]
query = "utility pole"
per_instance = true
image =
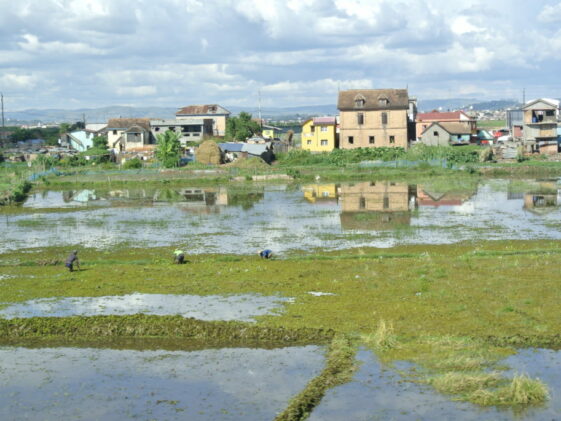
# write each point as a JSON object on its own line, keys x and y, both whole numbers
{"x": 3, "y": 126}
{"x": 260, "y": 120}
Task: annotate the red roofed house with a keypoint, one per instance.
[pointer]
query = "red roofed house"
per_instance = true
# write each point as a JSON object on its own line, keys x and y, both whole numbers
{"x": 424, "y": 120}
{"x": 213, "y": 112}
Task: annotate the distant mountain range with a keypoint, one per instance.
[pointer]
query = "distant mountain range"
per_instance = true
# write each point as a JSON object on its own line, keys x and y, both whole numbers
{"x": 101, "y": 115}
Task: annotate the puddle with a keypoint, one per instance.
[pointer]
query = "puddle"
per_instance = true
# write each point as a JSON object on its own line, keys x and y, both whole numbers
{"x": 327, "y": 216}
{"x": 209, "y": 307}
{"x": 377, "y": 393}
{"x": 101, "y": 384}
{"x": 319, "y": 293}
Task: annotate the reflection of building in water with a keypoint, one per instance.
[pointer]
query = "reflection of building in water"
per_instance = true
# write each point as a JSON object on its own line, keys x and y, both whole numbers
{"x": 544, "y": 198}
{"x": 377, "y": 205}
{"x": 430, "y": 197}
{"x": 82, "y": 196}
{"x": 320, "y": 193}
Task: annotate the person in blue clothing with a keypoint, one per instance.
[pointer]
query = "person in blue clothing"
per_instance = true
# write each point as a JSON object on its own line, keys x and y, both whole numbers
{"x": 265, "y": 254}
{"x": 72, "y": 260}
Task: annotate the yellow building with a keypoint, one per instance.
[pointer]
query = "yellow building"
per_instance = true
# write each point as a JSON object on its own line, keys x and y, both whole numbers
{"x": 319, "y": 134}
{"x": 320, "y": 193}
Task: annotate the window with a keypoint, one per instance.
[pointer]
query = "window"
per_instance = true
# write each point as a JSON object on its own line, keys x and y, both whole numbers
{"x": 549, "y": 113}
{"x": 435, "y": 134}
{"x": 362, "y": 203}
{"x": 312, "y": 128}
{"x": 157, "y": 129}
{"x": 324, "y": 142}
{"x": 392, "y": 139}
{"x": 360, "y": 118}
{"x": 309, "y": 142}
{"x": 386, "y": 202}
{"x": 359, "y": 102}
{"x": 383, "y": 102}
{"x": 371, "y": 140}
{"x": 323, "y": 128}
{"x": 384, "y": 118}
{"x": 351, "y": 140}
{"x": 114, "y": 132}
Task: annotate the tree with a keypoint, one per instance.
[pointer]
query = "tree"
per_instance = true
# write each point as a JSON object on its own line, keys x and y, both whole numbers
{"x": 100, "y": 142}
{"x": 241, "y": 127}
{"x": 168, "y": 149}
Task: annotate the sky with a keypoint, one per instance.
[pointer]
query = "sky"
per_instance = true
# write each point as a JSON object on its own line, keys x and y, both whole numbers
{"x": 90, "y": 53}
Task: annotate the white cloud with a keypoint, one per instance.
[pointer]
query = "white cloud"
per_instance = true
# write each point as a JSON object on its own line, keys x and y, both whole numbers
{"x": 32, "y": 44}
{"x": 550, "y": 13}
{"x": 136, "y": 90}
{"x": 183, "y": 51}
{"x": 18, "y": 81}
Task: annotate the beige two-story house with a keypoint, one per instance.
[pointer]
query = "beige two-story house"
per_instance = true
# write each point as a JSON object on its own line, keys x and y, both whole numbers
{"x": 371, "y": 118}
{"x": 212, "y": 114}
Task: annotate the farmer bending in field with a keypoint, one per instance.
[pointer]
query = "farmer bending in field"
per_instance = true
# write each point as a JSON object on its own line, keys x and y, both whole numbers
{"x": 265, "y": 254}
{"x": 179, "y": 257}
{"x": 72, "y": 259}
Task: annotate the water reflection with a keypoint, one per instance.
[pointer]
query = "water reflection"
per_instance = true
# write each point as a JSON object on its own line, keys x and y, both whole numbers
{"x": 209, "y": 307}
{"x": 542, "y": 198}
{"x": 331, "y": 216}
{"x": 194, "y": 198}
{"x": 101, "y": 384}
{"x": 377, "y": 205}
{"x": 378, "y": 393}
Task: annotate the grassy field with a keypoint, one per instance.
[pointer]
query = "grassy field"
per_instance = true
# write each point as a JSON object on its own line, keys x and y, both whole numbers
{"x": 491, "y": 124}
{"x": 455, "y": 310}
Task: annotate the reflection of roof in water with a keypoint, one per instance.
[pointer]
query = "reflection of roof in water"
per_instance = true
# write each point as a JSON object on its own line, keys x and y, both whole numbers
{"x": 374, "y": 221}
{"x": 434, "y": 198}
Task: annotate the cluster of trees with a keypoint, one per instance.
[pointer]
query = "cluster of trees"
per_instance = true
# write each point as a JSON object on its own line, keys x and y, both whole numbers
{"x": 241, "y": 127}
{"x": 50, "y": 135}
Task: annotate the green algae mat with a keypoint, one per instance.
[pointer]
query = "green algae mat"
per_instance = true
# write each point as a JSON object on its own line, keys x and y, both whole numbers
{"x": 453, "y": 310}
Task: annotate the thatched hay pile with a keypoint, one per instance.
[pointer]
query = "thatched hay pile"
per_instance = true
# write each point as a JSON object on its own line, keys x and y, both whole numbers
{"x": 209, "y": 153}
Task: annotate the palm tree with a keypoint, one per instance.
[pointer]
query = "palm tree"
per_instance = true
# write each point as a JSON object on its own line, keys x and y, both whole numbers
{"x": 168, "y": 150}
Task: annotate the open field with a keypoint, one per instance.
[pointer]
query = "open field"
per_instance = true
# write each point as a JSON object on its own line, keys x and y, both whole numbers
{"x": 454, "y": 310}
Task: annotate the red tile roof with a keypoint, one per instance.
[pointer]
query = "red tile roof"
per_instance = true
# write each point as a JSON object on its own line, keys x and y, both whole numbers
{"x": 318, "y": 121}
{"x": 202, "y": 110}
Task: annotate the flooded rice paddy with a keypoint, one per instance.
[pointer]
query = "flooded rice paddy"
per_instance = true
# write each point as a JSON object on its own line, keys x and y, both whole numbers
{"x": 106, "y": 384}
{"x": 210, "y": 307}
{"x": 287, "y": 218}
{"x": 380, "y": 393}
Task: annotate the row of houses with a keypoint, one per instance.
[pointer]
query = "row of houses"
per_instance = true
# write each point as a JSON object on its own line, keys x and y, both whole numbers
{"x": 388, "y": 118}
{"x": 194, "y": 123}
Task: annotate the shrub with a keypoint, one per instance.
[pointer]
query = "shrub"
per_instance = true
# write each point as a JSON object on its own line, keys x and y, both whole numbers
{"x": 133, "y": 163}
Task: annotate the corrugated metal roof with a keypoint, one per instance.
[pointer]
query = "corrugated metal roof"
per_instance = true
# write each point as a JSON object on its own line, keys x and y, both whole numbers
{"x": 231, "y": 146}
{"x": 255, "y": 148}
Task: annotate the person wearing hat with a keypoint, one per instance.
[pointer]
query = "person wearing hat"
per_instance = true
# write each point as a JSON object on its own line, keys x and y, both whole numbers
{"x": 72, "y": 259}
{"x": 179, "y": 256}
{"x": 265, "y": 254}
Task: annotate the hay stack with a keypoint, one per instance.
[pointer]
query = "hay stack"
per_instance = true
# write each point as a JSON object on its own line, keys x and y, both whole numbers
{"x": 209, "y": 153}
